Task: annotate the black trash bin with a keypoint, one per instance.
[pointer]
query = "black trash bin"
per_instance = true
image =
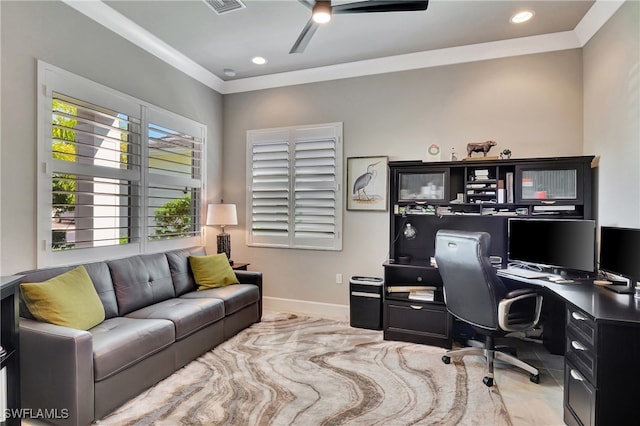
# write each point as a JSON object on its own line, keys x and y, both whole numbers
{"x": 366, "y": 302}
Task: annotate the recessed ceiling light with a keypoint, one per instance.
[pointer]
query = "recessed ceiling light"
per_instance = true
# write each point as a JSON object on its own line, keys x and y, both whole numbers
{"x": 259, "y": 60}
{"x": 521, "y": 17}
{"x": 229, "y": 72}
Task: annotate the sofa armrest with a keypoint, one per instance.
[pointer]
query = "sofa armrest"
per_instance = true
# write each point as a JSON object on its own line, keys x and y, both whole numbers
{"x": 56, "y": 371}
{"x": 255, "y": 278}
{"x": 250, "y": 277}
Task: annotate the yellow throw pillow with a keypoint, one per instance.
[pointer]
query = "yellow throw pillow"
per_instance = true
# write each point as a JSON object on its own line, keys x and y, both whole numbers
{"x": 70, "y": 300}
{"x": 212, "y": 271}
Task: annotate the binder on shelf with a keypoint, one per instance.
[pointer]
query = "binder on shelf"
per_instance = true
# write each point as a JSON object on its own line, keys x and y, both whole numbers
{"x": 425, "y": 296}
{"x": 409, "y": 288}
{"x": 509, "y": 187}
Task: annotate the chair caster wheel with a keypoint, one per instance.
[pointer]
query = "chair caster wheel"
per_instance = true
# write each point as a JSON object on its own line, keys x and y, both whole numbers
{"x": 488, "y": 381}
{"x": 446, "y": 359}
{"x": 535, "y": 378}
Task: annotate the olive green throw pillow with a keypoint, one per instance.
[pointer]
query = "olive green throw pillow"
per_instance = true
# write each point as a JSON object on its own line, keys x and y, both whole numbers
{"x": 69, "y": 300}
{"x": 212, "y": 271}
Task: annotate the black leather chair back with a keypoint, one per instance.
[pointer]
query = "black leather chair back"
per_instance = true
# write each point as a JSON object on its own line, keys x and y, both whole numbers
{"x": 471, "y": 287}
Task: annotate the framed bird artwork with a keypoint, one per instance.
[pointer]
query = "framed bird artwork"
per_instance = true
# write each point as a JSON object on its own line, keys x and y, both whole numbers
{"x": 367, "y": 183}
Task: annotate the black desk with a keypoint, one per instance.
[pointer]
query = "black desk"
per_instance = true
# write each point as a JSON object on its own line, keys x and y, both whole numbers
{"x": 602, "y": 352}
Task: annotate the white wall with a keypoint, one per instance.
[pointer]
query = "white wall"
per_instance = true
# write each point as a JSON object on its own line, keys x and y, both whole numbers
{"x": 612, "y": 114}
{"x": 530, "y": 104}
{"x": 57, "y": 34}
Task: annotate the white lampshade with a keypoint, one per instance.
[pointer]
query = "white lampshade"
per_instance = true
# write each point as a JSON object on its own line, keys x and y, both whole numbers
{"x": 222, "y": 214}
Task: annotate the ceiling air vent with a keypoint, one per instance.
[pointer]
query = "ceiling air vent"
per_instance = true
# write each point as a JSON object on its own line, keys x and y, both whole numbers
{"x": 224, "y": 6}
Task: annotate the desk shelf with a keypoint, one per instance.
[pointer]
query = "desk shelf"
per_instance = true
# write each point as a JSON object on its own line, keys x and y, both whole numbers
{"x": 10, "y": 341}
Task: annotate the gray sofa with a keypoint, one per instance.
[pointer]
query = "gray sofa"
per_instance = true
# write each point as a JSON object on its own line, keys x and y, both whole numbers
{"x": 155, "y": 323}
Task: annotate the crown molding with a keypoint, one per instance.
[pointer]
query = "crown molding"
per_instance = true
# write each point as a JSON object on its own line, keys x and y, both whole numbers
{"x": 593, "y": 20}
{"x": 126, "y": 28}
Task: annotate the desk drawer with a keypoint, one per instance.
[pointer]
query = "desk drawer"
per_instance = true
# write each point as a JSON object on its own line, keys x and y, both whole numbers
{"x": 582, "y": 354}
{"x": 417, "y": 322}
{"x": 412, "y": 276}
{"x": 584, "y": 324}
{"x": 579, "y": 398}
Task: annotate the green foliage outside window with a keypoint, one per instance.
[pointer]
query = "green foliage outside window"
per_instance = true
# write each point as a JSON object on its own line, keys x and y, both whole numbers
{"x": 63, "y": 148}
{"x": 173, "y": 218}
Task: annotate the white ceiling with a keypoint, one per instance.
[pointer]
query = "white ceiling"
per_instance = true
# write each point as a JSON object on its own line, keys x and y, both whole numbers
{"x": 192, "y": 37}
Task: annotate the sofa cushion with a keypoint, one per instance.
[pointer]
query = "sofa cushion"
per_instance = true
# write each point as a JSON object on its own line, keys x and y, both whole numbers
{"x": 212, "y": 271}
{"x": 119, "y": 343}
{"x": 69, "y": 299}
{"x": 234, "y": 296}
{"x": 100, "y": 276}
{"x": 141, "y": 281}
{"x": 187, "y": 315}
{"x": 183, "y": 280}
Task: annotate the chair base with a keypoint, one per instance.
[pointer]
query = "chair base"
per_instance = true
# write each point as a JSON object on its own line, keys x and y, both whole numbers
{"x": 490, "y": 353}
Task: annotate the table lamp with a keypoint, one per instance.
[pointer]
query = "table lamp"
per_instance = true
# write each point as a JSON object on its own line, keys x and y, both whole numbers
{"x": 222, "y": 215}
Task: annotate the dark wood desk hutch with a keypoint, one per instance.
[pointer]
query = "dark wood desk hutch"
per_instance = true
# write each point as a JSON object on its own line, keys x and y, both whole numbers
{"x": 10, "y": 342}
{"x": 476, "y": 195}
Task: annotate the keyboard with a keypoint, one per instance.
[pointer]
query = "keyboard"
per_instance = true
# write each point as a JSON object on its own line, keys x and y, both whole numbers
{"x": 523, "y": 273}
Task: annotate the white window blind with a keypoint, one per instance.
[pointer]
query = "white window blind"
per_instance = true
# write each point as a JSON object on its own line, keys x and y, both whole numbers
{"x": 295, "y": 176}
{"x": 174, "y": 152}
{"x": 95, "y": 164}
{"x": 102, "y": 190}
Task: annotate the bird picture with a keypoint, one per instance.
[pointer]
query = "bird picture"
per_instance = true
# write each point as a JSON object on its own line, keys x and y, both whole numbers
{"x": 367, "y": 183}
{"x": 360, "y": 185}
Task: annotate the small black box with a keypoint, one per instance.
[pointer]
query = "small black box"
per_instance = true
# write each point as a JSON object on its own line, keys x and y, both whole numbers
{"x": 365, "y": 302}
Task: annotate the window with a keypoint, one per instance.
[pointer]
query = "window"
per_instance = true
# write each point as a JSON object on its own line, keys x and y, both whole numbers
{"x": 103, "y": 191}
{"x": 295, "y": 198}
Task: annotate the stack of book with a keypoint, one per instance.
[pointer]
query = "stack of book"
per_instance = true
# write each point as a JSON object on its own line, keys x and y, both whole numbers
{"x": 481, "y": 174}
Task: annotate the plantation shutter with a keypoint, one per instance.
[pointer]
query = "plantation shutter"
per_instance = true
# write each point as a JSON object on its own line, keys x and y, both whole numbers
{"x": 269, "y": 175}
{"x": 174, "y": 166}
{"x": 294, "y": 197}
{"x": 116, "y": 176}
{"x": 95, "y": 175}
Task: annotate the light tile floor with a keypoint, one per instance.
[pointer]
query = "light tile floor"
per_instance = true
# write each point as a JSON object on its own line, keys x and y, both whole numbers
{"x": 529, "y": 403}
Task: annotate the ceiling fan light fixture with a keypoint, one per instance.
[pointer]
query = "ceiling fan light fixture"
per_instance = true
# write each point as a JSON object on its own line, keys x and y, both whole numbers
{"x": 522, "y": 16}
{"x": 321, "y": 12}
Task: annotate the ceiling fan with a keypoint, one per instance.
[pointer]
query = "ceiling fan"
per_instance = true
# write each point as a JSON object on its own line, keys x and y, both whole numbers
{"x": 322, "y": 11}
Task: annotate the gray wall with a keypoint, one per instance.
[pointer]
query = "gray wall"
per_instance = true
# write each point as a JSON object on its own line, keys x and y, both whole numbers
{"x": 530, "y": 104}
{"x": 57, "y": 34}
{"x": 612, "y": 114}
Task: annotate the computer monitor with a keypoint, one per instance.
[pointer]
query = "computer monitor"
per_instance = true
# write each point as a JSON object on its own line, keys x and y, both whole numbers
{"x": 564, "y": 244}
{"x": 620, "y": 253}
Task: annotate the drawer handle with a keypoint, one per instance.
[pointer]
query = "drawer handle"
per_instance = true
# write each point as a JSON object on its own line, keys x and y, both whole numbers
{"x": 576, "y": 376}
{"x": 578, "y": 316}
{"x": 577, "y": 345}
{"x": 416, "y": 307}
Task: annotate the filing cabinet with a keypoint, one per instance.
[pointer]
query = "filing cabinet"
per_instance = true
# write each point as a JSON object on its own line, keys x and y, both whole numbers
{"x": 417, "y": 321}
{"x": 601, "y": 379}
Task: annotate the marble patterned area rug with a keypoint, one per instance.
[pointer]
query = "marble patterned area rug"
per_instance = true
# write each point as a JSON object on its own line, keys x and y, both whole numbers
{"x": 295, "y": 370}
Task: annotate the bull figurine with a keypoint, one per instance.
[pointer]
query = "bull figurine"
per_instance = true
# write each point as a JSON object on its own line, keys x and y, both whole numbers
{"x": 482, "y": 147}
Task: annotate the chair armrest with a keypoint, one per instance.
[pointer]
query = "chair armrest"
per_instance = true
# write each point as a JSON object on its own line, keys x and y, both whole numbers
{"x": 520, "y": 292}
{"x": 519, "y": 310}
{"x": 56, "y": 370}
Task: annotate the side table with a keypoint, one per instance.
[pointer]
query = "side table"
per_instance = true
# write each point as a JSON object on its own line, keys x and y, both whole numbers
{"x": 239, "y": 266}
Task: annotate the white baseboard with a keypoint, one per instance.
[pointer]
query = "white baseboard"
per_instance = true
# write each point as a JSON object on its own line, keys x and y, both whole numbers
{"x": 304, "y": 307}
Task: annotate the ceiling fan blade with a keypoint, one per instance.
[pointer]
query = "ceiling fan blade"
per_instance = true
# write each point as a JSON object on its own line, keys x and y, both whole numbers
{"x": 381, "y": 6}
{"x": 305, "y": 37}
{"x": 308, "y": 3}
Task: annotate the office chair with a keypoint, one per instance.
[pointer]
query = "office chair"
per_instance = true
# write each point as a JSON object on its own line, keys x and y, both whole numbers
{"x": 476, "y": 295}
